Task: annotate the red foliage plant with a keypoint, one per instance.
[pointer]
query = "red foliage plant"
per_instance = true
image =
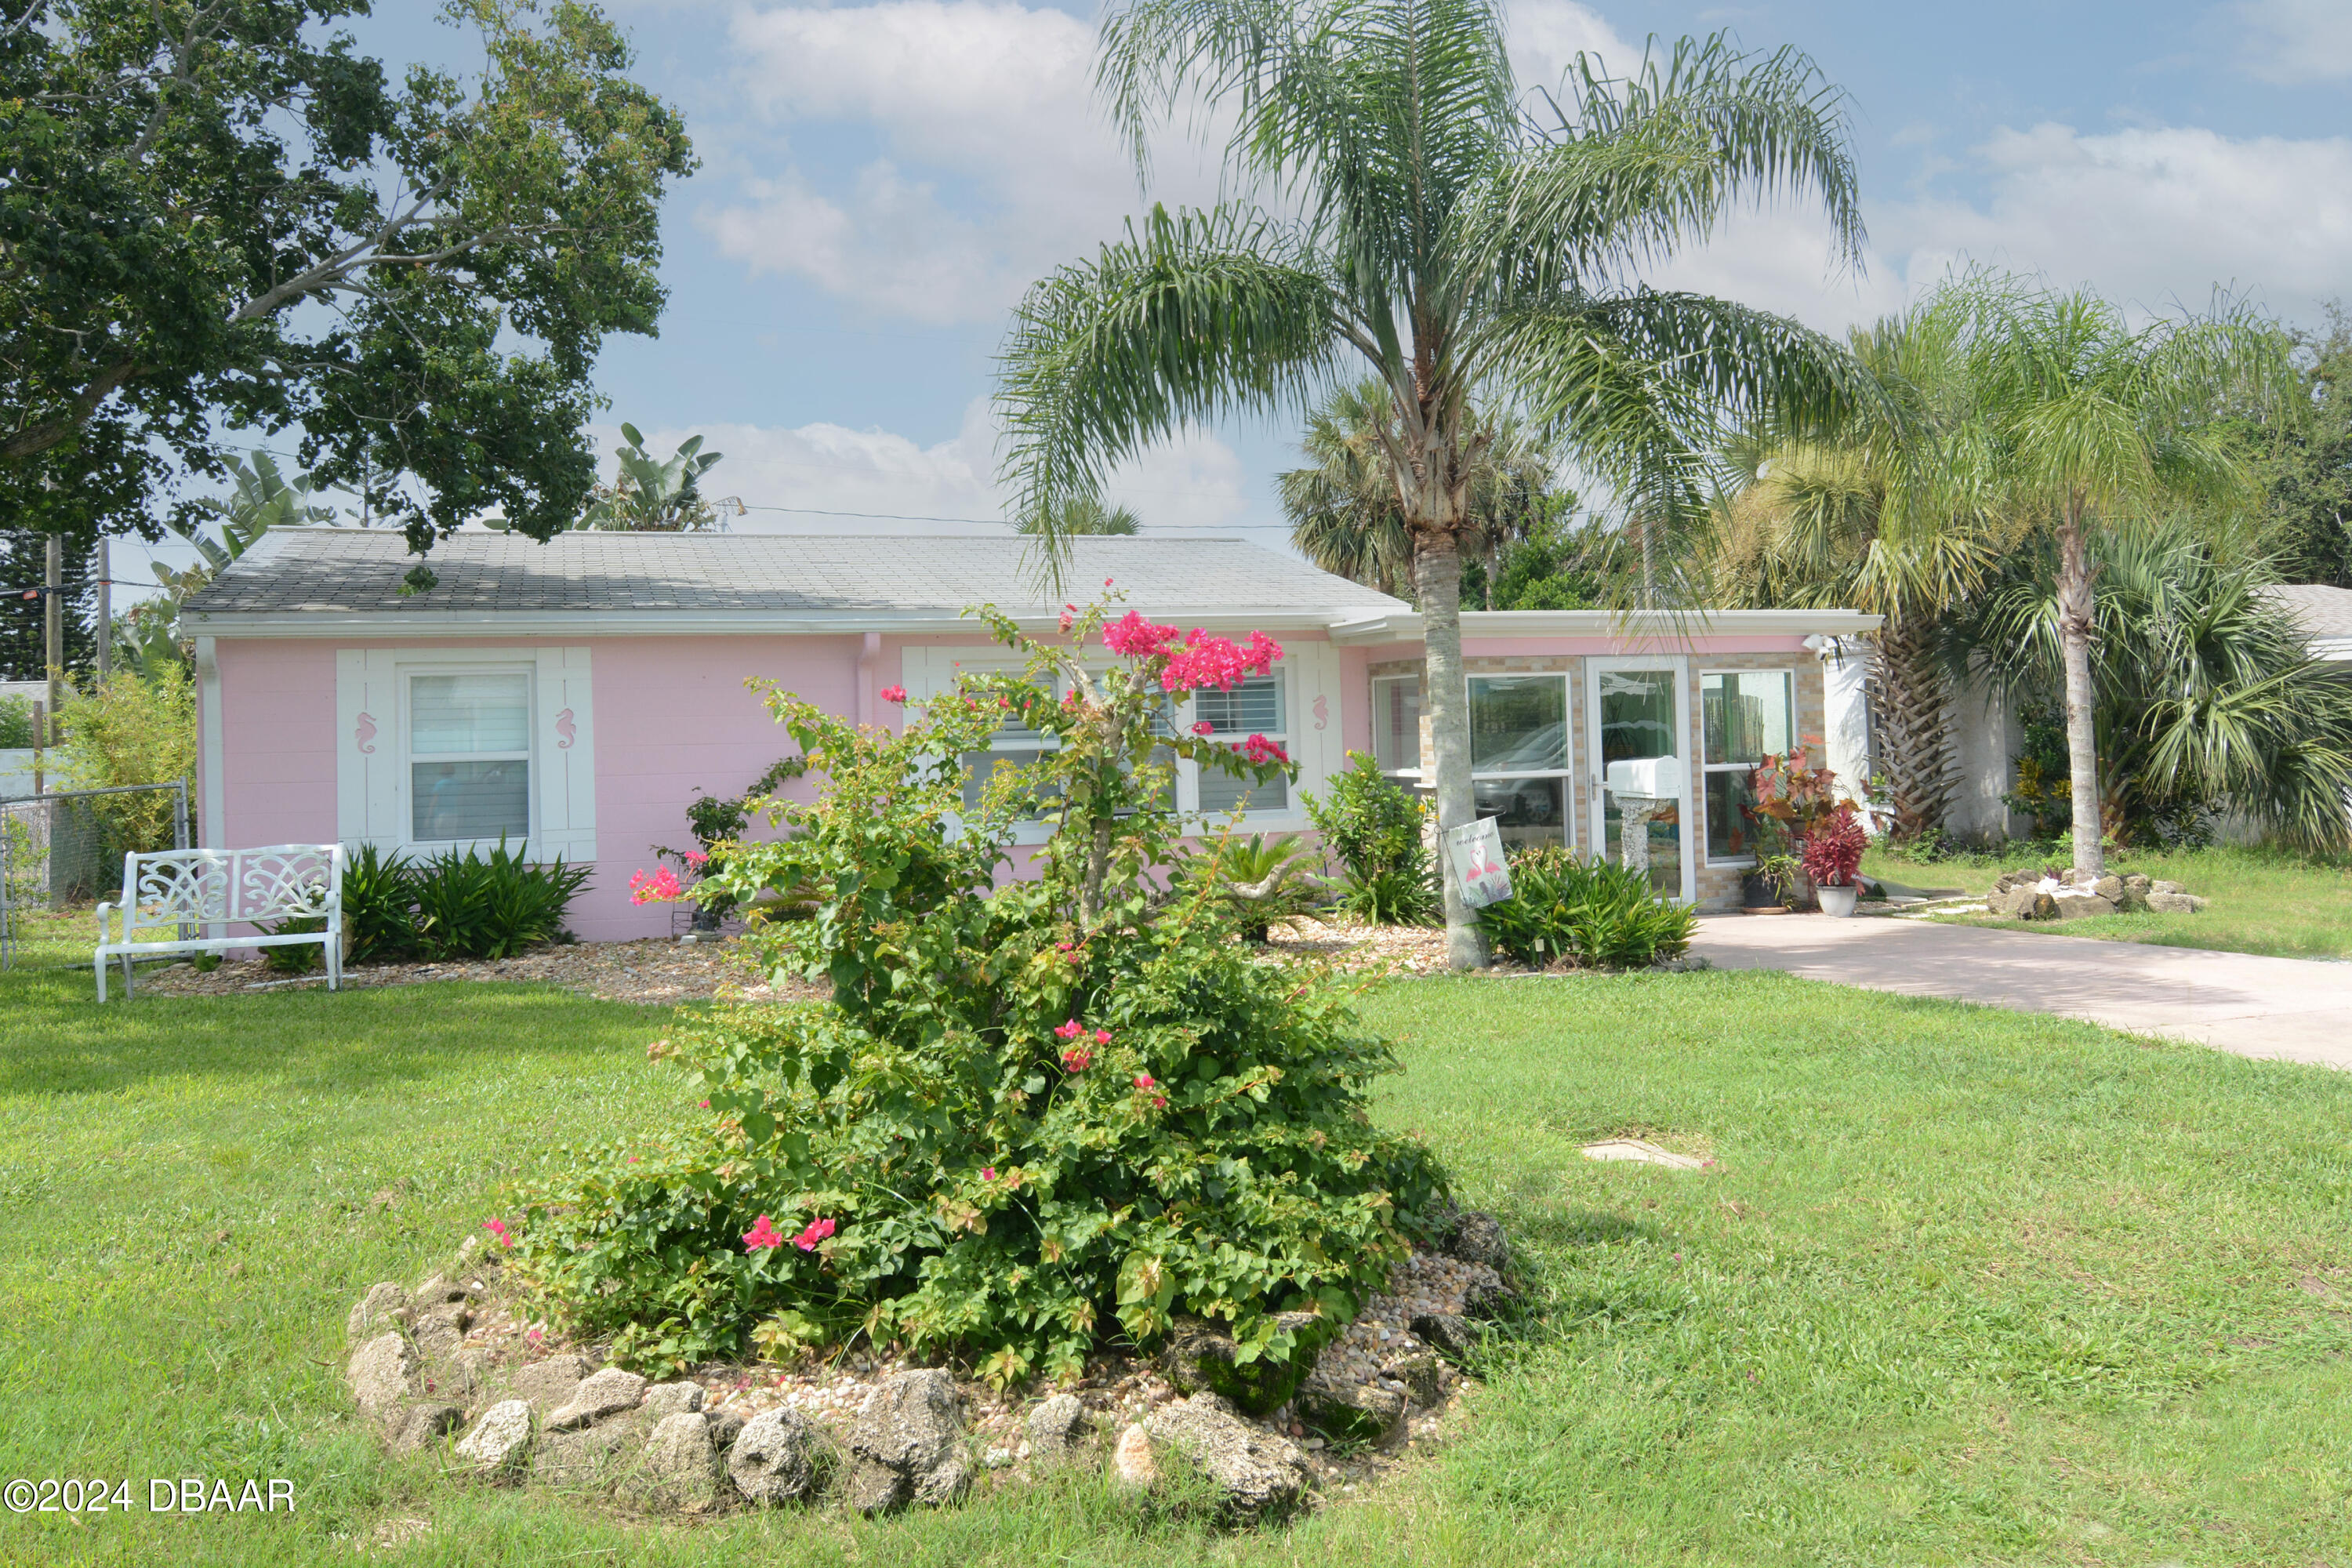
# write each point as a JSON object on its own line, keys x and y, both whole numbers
{"x": 1833, "y": 850}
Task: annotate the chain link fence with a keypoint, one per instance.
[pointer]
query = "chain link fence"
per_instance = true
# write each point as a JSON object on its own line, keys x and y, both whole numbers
{"x": 62, "y": 852}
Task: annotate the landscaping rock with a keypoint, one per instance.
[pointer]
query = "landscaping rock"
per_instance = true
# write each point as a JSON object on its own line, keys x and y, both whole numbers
{"x": 911, "y": 1428}
{"x": 1202, "y": 1357}
{"x": 385, "y": 1305}
{"x": 586, "y": 1458}
{"x": 501, "y": 1439}
{"x": 436, "y": 1291}
{"x": 2174, "y": 903}
{"x": 1057, "y": 1425}
{"x": 421, "y": 1425}
{"x": 384, "y": 1375}
{"x": 772, "y": 1460}
{"x": 681, "y": 1471}
{"x": 1258, "y": 1474}
{"x": 2166, "y": 887}
{"x": 2110, "y": 888}
{"x": 549, "y": 1385}
{"x": 1131, "y": 1462}
{"x": 1454, "y": 1338}
{"x": 871, "y": 1488}
{"x": 726, "y": 1425}
{"x": 1487, "y": 1298}
{"x": 439, "y": 1329}
{"x": 1425, "y": 1377}
{"x": 2077, "y": 903}
{"x": 1350, "y": 1411}
{"x": 664, "y": 1400}
{"x": 608, "y": 1393}
{"x": 1477, "y": 1237}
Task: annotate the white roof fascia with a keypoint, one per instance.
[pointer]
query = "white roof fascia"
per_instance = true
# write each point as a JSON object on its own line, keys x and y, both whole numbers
{"x": 407, "y": 623}
{"x": 1659, "y": 626}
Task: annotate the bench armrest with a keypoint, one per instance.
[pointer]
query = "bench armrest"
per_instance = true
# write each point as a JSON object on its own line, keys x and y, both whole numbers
{"x": 101, "y": 923}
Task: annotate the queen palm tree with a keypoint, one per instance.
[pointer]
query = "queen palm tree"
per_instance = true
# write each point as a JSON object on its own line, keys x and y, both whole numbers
{"x": 1450, "y": 239}
{"x": 1890, "y": 519}
{"x": 2091, "y": 424}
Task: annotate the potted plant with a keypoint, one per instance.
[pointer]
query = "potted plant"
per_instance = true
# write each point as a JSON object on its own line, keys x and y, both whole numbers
{"x": 1832, "y": 853}
{"x": 1771, "y": 887}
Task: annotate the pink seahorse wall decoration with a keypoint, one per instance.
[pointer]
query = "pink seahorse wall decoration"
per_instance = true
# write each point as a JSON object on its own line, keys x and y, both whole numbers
{"x": 565, "y": 728}
{"x": 1322, "y": 711}
{"x": 366, "y": 733}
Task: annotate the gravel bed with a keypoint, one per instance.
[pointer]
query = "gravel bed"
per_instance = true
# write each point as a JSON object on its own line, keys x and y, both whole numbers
{"x": 655, "y": 970}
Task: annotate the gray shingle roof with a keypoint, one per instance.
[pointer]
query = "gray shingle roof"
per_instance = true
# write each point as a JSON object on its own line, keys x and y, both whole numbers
{"x": 2319, "y": 610}
{"x": 346, "y": 570}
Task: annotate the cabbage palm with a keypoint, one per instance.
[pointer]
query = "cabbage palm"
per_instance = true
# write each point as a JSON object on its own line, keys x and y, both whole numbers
{"x": 1451, "y": 241}
{"x": 2093, "y": 424}
{"x": 1083, "y": 514}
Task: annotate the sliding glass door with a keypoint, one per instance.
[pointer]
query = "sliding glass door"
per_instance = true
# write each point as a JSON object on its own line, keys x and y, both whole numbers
{"x": 1635, "y": 708}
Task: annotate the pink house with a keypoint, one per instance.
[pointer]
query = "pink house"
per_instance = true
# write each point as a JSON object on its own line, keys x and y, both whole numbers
{"x": 574, "y": 696}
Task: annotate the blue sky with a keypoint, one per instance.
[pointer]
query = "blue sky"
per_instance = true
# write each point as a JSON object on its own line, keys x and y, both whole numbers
{"x": 881, "y": 181}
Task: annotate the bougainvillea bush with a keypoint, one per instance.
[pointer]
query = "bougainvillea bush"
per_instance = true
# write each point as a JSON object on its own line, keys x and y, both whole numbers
{"x": 1038, "y": 1115}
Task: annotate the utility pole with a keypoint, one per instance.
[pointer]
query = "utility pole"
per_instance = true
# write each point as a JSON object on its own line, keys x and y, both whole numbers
{"x": 105, "y": 613}
{"x": 53, "y": 652}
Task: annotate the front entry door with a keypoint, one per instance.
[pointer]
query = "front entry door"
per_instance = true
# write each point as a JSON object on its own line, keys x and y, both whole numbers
{"x": 1635, "y": 708}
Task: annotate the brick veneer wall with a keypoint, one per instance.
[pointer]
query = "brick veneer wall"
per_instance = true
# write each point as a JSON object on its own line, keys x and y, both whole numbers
{"x": 1718, "y": 885}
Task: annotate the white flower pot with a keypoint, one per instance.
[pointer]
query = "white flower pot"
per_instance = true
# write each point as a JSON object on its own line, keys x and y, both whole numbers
{"x": 1837, "y": 903}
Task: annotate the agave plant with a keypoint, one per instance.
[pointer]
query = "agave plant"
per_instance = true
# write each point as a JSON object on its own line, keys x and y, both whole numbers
{"x": 1263, "y": 880}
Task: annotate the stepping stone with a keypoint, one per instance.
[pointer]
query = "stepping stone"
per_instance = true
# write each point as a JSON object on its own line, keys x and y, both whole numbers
{"x": 1645, "y": 1153}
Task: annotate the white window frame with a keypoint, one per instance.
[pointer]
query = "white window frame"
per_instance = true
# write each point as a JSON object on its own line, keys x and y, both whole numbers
{"x": 372, "y": 777}
{"x": 1706, "y": 768}
{"x": 410, "y": 757}
{"x": 1566, "y": 772}
{"x": 1410, "y": 770}
{"x": 1188, "y": 773}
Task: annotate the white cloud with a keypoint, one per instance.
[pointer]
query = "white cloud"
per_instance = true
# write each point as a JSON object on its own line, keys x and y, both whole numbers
{"x": 993, "y": 98}
{"x": 2155, "y": 217}
{"x": 1545, "y": 35}
{"x": 828, "y": 473}
{"x": 2294, "y": 41}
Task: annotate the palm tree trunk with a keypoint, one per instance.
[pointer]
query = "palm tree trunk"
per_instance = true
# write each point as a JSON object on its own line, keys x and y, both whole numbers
{"x": 1914, "y": 743}
{"x": 2075, "y": 618}
{"x": 1445, "y": 698}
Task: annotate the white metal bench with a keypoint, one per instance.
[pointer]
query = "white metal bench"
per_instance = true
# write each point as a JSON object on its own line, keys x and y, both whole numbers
{"x": 175, "y": 889}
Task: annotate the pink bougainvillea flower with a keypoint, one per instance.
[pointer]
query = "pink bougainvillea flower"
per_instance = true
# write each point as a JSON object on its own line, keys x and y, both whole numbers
{"x": 693, "y": 856}
{"x": 762, "y": 1235}
{"x": 706, "y": 1105}
{"x": 893, "y": 694}
{"x": 1071, "y": 1030}
{"x": 1078, "y": 1058}
{"x": 533, "y": 1334}
{"x": 1136, "y": 638}
{"x": 498, "y": 1228}
{"x": 661, "y": 887}
{"x": 1260, "y": 750}
{"x": 1159, "y": 1099}
{"x": 1102, "y": 1036}
{"x": 988, "y": 1173}
{"x": 818, "y": 1229}
{"x": 1143, "y": 1080}
{"x": 1069, "y": 617}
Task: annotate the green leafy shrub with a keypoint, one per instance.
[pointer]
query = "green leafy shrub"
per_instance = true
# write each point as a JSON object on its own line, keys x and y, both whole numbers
{"x": 1261, "y": 881}
{"x": 1374, "y": 828}
{"x": 134, "y": 730}
{"x": 17, "y": 723}
{"x": 469, "y": 905}
{"x": 1563, "y": 907}
{"x": 1034, "y": 1118}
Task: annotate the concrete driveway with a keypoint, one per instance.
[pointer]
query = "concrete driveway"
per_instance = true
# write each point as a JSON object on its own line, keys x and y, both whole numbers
{"x": 2290, "y": 1009}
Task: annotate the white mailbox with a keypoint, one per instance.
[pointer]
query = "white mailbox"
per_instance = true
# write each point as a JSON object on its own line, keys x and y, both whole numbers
{"x": 1647, "y": 778}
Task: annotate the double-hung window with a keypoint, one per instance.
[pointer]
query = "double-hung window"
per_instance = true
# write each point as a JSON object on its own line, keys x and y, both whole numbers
{"x": 469, "y": 756}
{"x": 1519, "y": 756}
{"x": 1015, "y": 746}
{"x": 1749, "y": 714}
{"x": 1255, "y": 707}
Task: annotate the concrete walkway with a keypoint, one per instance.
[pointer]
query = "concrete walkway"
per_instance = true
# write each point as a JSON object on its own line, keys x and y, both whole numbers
{"x": 2290, "y": 1009}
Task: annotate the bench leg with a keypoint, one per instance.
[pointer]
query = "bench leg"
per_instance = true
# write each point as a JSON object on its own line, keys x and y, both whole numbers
{"x": 99, "y": 964}
{"x": 128, "y": 993}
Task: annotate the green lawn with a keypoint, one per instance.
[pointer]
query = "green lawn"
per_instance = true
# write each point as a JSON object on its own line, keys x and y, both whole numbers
{"x": 2264, "y": 901}
{"x": 1964, "y": 1288}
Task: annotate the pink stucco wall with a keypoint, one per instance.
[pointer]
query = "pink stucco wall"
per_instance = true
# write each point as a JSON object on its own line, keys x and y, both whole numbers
{"x": 673, "y": 720}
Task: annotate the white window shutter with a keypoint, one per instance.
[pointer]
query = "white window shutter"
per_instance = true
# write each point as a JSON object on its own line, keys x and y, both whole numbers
{"x": 564, "y": 757}
{"x": 367, "y": 749}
